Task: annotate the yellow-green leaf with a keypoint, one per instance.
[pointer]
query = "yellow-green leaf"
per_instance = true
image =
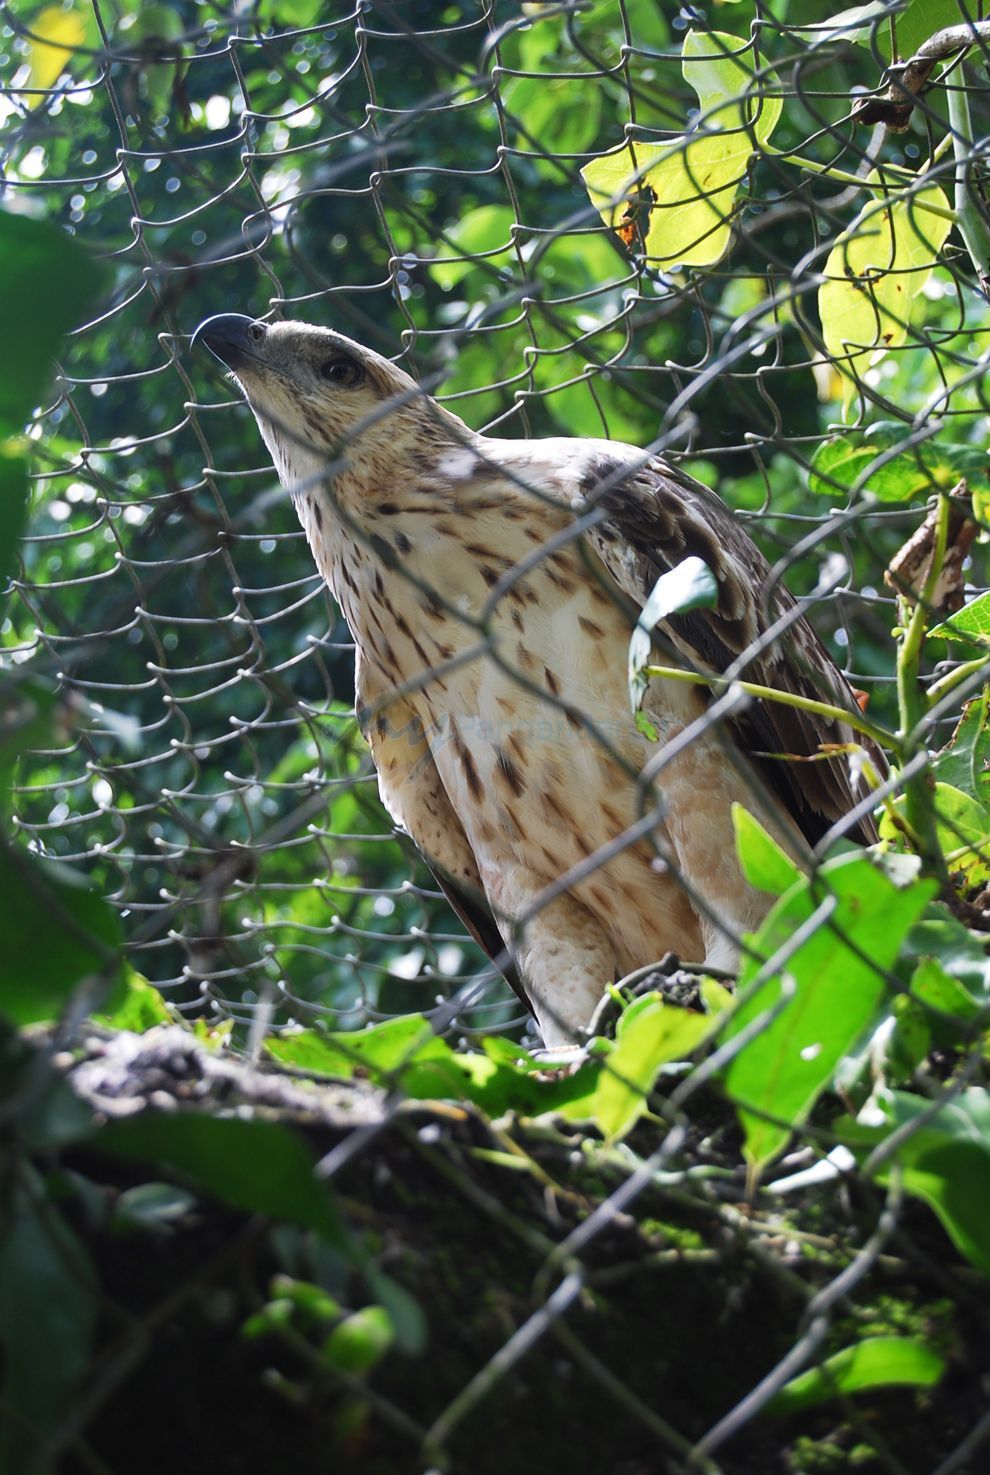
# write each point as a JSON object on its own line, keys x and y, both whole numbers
{"x": 59, "y": 32}
{"x": 876, "y": 273}
{"x": 765, "y": 864}
{"x": 677, "y": 199}
{"x": 649, "y": 1035}
{"x": 714, "y": 65}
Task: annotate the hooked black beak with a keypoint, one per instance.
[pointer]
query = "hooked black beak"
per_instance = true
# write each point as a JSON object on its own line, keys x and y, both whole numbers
{"x": 229, "y": 338}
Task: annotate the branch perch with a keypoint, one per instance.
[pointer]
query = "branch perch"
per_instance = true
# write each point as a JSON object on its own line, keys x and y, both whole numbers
{"x": 906, "y": 81}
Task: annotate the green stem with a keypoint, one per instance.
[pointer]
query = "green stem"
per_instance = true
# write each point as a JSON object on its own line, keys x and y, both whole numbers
{"x": 912, "y": 705}
{"x": 970, "y": 219}
{"x": 842, "y": 176}
{"x": 855, "y": 720}
{"x": 955, "y": 677}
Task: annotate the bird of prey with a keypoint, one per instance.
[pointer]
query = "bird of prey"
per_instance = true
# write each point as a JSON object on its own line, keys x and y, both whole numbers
{"x": 491, "y": 587}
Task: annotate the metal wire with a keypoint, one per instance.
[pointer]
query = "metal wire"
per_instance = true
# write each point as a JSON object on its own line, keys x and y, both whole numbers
{"x": 207, "y": 774}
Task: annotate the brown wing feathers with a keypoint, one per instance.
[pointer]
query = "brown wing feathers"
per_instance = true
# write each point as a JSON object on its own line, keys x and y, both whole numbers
{"x": 653, "y": 520}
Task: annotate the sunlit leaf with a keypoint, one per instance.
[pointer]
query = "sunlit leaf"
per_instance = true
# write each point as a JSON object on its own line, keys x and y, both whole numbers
{"x": 764, "y": 863}
{"x": 962, "y": 826}
{"x": 691, "y": 585}
{"x": 869, "y": 461}
{"x": 59, "y": 33}
{"x": 404, "y": 1054}
{"x": 678, "y": 199}
{"x": 875, "y": 276}
{"x": 835, "y": 981}
{"x": 481, "y": 238}
{"x": 876, "y": 1362}
{"x": 965, "y": 759}
{"x": 970, "y": 625}
{"x": 649, "y": 1034}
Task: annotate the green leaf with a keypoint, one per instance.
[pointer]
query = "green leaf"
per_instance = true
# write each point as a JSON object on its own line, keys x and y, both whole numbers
{"x": 60, "y": 33}
{"x": 688, "y": 187}
{"x": 960, "y": 952}
{"x": 482, "y": 238}
{"x": 650, "y": 1033}
{"x": 962, "y": 828}
{"x": 360, "y": 1341}
{"x": 971, "y": 624}
{"x": 764, "y": 863}
{"x": 139, "y": 1008}
{"x": 405, "y": 1054}
{"x": 846, "y": 464}
{"x": 258, "y": 1166}
{"x": 46, "y": 282}
{"x": 875, "y": 276}
{"x": 153, "y": 1208}
{"x": 836, "y": 979}
{"x": 48, "y": 1310}
{"x": 13, "y": 515}
{"x": 944, "y": 1161}
{"x": 26, "y": 707}
{"x": 870, "y": 25}
{"x": 939, "y": 991}
{"x": 57, "y": 934}
{"x": 691, "y": 585}
{"x": 561, "y": 114}
{"x": 876, "y": 1362}
{"x": 964, "y": 762}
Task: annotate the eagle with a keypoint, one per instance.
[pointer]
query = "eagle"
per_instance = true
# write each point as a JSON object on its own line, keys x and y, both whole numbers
{"x": 491, "y": 587}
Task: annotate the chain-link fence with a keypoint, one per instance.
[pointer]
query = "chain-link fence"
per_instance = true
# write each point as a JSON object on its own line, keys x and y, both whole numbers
{"x": 409, "y": 174}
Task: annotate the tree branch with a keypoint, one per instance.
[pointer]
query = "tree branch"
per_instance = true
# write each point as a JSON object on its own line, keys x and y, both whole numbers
{"x": 906, "y": 81}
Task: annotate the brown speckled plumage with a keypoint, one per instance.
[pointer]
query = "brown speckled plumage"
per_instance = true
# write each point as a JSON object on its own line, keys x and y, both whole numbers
{"x": 574, "y": 846}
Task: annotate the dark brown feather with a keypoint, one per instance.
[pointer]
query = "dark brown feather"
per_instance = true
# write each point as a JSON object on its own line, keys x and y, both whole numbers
{"x": 476, "y": 915}
{"x": 653, "y": 520}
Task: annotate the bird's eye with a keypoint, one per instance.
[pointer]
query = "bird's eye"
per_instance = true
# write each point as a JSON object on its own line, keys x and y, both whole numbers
{"x": 342, "y": 369}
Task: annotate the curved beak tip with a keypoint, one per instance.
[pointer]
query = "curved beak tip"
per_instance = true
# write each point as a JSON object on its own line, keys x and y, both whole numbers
{"x": 225, "y": 335}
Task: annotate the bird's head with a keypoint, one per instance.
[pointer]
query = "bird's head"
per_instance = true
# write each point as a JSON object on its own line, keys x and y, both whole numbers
{"x": 320, "y": 398}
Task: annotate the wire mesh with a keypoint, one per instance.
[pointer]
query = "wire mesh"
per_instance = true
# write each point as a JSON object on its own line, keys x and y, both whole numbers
{"x": 406, "y": 173}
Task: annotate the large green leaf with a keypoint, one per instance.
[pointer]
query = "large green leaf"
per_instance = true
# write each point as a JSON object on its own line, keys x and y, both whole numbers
{"x": 834, "y": 985}
{"x": 765, "y": 865}
{"x": 875, "y": 276}
{"x": 969, "y": 626}
{"x": 859, "y": 461}
{"x": 964, "y": 762}
{"x": 876, "y": 1362}
{"x": 48, "y": 1309}
{"x": 650, "y": 1034}
{"x": 46, "y": 281}
{"x": 945, "y": 1160}
{"x": 681, "y": 196}
{"x": 259, "y": 1166}
{"x": 57, "y": 934}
